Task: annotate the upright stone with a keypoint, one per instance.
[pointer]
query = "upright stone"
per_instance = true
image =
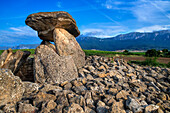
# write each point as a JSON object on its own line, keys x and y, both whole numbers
{"x": 52, "y": 68}
{"x": 11, "y": 87}
{"x": 26, "y": 70}
{"x": 13, "y": 61}
{"x": 4, "y": 56}
{"x": 66, "y": 45}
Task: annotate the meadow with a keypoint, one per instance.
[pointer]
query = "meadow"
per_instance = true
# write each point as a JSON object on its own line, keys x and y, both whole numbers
{"x": 131, "y": 57}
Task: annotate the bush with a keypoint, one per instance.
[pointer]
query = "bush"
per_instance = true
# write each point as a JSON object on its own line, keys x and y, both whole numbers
{"x": 152, "y": 53}
{"x": 125, "y": 51}
{"x": 164, "y": 50}
{"x": 168, "y": 65}
{"x": 150, "y": 62}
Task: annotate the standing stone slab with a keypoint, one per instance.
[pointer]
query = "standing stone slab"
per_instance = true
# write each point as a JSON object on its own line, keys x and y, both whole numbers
{"x": 66, "y": 44}
{"x": 26, "y": 70}
{"x": 11, "y": 87}
{"x": 13, "y": 61}
{"x": 4, "y": 56}
{"x": 51, "y": 68}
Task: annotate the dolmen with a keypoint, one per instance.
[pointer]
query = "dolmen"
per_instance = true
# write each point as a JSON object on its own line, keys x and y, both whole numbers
{"x": 59, "y": 62}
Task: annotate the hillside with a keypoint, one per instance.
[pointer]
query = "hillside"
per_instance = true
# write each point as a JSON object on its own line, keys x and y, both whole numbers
{"x": 132, "y": 41}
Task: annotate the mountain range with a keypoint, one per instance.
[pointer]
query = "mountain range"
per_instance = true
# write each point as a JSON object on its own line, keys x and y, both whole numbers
{"x": 131, "y": 41}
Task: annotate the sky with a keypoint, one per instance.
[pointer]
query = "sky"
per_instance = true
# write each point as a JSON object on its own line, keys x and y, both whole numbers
{"x": 99, "y": 18}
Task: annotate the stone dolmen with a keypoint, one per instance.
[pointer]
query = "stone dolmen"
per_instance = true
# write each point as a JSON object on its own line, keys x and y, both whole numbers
{"x": 60, "y": 62}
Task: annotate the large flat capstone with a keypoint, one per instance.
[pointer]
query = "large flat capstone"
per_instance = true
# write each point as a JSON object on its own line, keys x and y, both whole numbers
{"x": 45, "y": 22}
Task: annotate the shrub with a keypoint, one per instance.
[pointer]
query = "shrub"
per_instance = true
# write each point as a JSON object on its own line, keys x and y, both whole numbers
{"x": 125, "y": 51}
{"x": 164, "y": 50}
{"x": 151, "y": 62}
{"x": 168, "y": 65}
{"x": 152, "y": 53}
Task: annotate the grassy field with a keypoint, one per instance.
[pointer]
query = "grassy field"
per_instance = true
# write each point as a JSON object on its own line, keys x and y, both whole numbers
{"x": 14, "y": 50}
{"x": 133, "y": 57}
{"x": 111, "y": 53}
{"x": 92, "y": 52}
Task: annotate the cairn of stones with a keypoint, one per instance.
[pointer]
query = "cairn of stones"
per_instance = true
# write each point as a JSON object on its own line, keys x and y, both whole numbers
{"x": 60, "y": 79}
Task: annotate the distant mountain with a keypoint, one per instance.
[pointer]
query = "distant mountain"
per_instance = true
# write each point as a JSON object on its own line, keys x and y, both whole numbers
{"x": 25, "y": 46}
{"x": 22, "y": 46}
{"x": 131, "y": 41}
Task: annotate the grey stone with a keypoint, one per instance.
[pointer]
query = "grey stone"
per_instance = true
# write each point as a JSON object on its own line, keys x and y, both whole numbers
{"x": 151, "y": 108}
{"x": 134, "y": 105}
{"x": 74, "y": 108}
{"x": 13, "y": 61}
{"x": 52, "y": 68}
{"x": 11, "y": 87}
{"x": 66, "y": 45}
{"x": 46, "y": 22}
{"x": 26, "y": 108}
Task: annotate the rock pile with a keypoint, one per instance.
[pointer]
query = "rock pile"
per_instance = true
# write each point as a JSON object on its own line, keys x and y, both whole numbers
{"x": 103, "y": 86}
{"x": 67, "y": 83}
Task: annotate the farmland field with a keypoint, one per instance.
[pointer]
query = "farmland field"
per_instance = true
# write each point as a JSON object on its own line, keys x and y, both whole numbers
{"x": 131, "y": 56}
{"x": 142, "y": 58}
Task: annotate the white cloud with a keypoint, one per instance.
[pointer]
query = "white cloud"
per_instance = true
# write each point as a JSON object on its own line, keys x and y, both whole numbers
{"x": 115, "y": 4}
{"x": 59, "y": 5}
{"x": 20, "y": 31}
{"x": 153, "y": 28}
{"x": 102, "y": 30}
{"x": 151, "y": 11}
{"x": 15, "y": 29}
{"x": 18, "y": 35}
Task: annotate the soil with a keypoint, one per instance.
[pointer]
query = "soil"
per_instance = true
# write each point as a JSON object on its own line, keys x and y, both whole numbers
{"x": 141, "y": 58}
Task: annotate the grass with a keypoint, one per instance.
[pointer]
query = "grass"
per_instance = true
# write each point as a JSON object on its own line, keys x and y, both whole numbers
{"x": 14, "y": 50}
{"x": 151, "y": 62}
{"x": 111, "y": 53}
{"x": 92, "y": 52}
{"x": 148, "y": 61}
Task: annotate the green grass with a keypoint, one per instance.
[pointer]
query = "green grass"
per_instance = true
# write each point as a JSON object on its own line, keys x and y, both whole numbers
{"x": 111, "y": 53}
{"x": 14, "y": 50}
{"x": 92, "y": 52}
{"x": 148, "y": 61}
{"x": 1, "y": 51}
{"x": 151, "y": 62}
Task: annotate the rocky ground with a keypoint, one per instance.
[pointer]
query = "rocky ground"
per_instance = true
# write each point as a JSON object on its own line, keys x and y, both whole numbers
{"x": 59, "y": 79}
{"x": 104, "y": 85}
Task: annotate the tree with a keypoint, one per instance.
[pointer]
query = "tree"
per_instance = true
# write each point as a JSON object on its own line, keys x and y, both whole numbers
{"x": 164, "y": 50}
{"x": 152, "y": 53}
{"x": 125, "y": 51}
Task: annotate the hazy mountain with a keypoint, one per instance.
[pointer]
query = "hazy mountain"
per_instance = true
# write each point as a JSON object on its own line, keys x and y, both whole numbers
{"x": 22, "y": 46}
{"x": 132, "y": 41}
{"x": 25, "y": 46}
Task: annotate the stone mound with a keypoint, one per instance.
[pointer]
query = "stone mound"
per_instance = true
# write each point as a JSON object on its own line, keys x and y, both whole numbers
{"x": 104, "y": 85}
{"x": 58, "y": 79}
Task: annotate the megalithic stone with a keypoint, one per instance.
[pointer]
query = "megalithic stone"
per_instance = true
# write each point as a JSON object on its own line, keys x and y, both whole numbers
{"x": 51, "y": 68}
{"x": 60, "y": 28}
{"x": 46, "y": 22}
{"x": 66, "y": 44}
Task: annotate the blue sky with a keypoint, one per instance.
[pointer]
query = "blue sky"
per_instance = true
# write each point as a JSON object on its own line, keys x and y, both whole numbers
{"x": 101, "y": 18}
